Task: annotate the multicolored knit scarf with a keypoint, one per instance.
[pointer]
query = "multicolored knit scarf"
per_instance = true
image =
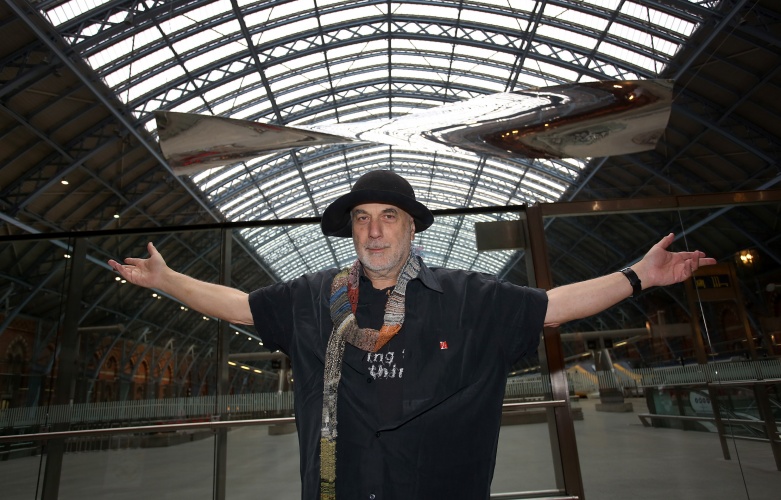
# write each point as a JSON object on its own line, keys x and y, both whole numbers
{"x": 344, "y": 301}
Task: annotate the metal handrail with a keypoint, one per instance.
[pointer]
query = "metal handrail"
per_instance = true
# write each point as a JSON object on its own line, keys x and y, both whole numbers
{"x": 535, "y": 495}
{"x": 692, "y": 418}
{"x": 218, "y": 424}
{"x": 763, "y": 400}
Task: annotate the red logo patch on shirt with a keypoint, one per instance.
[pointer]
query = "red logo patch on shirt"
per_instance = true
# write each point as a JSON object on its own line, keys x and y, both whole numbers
{"x": 443, "y": 344}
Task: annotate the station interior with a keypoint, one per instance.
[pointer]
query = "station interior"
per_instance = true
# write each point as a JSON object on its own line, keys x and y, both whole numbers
{"x": 109, "y": 390}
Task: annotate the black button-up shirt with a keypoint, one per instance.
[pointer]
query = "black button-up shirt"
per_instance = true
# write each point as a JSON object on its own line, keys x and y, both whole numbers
{"x": 420, "y": 418}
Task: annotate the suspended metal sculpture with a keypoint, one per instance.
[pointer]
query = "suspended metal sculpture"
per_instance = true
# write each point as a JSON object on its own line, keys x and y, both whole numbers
{"x": 565, "y": 121}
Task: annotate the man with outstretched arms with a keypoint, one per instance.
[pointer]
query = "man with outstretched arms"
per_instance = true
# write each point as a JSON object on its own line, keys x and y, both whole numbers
{"x": 401, "y": 368}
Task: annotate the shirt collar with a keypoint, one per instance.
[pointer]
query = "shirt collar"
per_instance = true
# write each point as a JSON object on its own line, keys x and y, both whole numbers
{"x": 428, "y": 278}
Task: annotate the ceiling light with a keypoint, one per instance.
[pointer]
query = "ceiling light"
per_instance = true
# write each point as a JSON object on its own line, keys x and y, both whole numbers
{"x": 746, "y": 257}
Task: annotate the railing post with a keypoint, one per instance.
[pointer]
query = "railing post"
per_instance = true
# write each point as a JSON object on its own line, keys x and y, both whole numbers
{"x": 223, "y": 382}
{"x": 763, "y": 403}
{"x": 560, "y": 425}
{"x": 714, "y": 401}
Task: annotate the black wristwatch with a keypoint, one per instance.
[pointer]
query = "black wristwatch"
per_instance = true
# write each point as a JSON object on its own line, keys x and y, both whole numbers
{"x": 634, "y": 280}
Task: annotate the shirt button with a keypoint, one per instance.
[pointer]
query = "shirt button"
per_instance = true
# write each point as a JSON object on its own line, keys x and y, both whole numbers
{"x": 378, "y": 435}
{"x": 369, "y": 380}
{"x": 371, "y": 496}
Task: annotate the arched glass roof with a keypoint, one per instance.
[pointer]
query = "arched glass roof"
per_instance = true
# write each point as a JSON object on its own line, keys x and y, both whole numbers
{"x": 307, "y": 62}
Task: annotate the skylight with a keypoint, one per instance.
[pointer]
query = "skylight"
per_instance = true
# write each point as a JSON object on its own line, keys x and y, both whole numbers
{"x": 318, "y": 65}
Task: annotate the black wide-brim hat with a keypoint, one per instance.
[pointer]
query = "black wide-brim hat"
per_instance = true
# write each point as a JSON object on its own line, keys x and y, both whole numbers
{"x": 377, "y": 186}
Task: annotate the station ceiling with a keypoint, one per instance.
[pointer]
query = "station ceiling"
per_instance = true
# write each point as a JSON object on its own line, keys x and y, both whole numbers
{"x": 78, "y": 151}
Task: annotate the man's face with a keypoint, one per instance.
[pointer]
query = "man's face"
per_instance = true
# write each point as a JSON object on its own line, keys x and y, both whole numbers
{"x": 382, "y": 235}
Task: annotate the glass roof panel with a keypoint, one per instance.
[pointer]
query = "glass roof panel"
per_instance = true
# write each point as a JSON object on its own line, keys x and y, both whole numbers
{"x": 591, "y": 22}
{"x": 610, "y": 5}
{"x": 282, "y": 31}
{"x": 68, "y": 10}
{"x": 195, "y": 40}
{"x": 563, "y": 35}
{"x": 630, "y": 56}
{"x": 432, "y": 11}
{"x": 153, "y": 82}
{"x": 128, "y": 45}
{"x": 498, "y": 20}
{"x": 341, "y": 65}
{"x": 355, "y": 50}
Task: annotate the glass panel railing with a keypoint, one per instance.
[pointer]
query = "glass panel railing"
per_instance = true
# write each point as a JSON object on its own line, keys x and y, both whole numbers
{"x": 662, "y": 358}
{"x": 263, "y": 459}
{"x": 174, "y": 464}
{"x": 20, "y": 463}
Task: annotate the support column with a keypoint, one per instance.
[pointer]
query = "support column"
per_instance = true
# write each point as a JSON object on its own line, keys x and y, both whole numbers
{"x": 66, "y": 368}
{"x": 611, "y": 398}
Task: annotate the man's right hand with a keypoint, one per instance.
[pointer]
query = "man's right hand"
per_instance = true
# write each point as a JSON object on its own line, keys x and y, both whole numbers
{"x": 149, "y": 273}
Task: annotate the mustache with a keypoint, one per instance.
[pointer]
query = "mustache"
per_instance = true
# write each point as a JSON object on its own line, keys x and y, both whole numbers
{"x": 376, "y": 246}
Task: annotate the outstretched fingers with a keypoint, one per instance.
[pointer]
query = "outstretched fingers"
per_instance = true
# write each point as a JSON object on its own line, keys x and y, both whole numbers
{"x": 124, "y": 270}
{"x": 702, "y": 261}
{"x": 133, "y": 261}
{"x": 661, "y": 267}
{"x": 144, "y": 272}
{"x": 116, "y": 266}
{"x": 692, "y": 262}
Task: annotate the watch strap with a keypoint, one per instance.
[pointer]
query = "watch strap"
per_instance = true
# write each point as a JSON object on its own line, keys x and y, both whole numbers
{"x": 634, "y": 280}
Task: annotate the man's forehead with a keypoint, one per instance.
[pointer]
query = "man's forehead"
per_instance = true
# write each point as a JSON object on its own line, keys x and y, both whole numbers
{"x": 377, "y": 207}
